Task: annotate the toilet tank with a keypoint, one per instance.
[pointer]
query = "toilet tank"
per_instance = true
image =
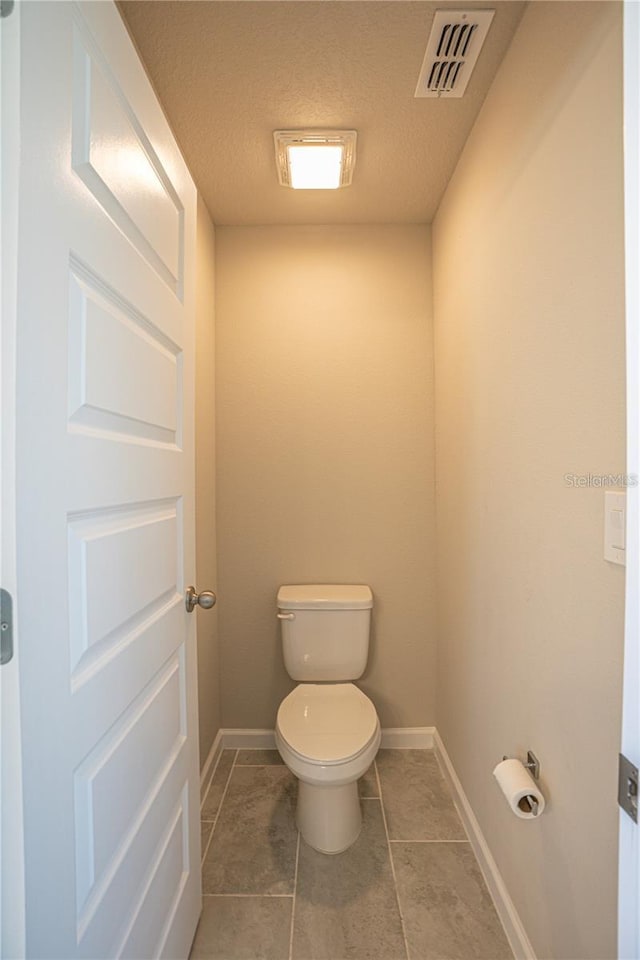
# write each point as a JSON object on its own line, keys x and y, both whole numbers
{"x": 325, "y": 630}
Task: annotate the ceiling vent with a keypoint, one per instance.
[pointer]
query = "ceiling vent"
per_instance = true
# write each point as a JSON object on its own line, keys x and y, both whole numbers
{"x": 454, "y": 45}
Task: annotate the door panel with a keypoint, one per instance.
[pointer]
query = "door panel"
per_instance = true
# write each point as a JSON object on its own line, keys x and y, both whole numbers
{"x": 102, "y": 623}
{"x": 105, "y": 333}
{"x": 105, "y": 498}
{"x": 117, "y": 162}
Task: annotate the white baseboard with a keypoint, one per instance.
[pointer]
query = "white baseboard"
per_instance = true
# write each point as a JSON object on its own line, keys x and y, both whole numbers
{"x": 407, "y": 738}
{"x": 516, "y": 934}
{"x": 397, "y": 738}
{"x": 237, "y": 738}
{"x": 210, "y": 764}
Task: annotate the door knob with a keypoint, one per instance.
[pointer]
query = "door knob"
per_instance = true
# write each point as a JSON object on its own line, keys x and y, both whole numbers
{"x": 206, "y": 599}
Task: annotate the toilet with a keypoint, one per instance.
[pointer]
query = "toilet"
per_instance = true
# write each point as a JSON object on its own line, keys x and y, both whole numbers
{"x": 327, "y": 730}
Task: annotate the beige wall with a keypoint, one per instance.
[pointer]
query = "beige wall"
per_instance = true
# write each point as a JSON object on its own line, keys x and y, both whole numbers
{"x": 208, "y": 657}
{"x": 528, "y": 297}
{"x": 325, "y": 455}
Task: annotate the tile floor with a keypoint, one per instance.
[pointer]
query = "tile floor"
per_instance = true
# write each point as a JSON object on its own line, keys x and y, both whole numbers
{"x": 408, "y": 889}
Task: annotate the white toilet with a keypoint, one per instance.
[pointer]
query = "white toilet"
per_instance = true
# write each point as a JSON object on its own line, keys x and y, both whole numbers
{"x": 327, "y": 730}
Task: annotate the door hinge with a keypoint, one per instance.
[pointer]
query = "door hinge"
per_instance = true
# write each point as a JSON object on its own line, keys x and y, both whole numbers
{"x": 628, "y": 787}
{"x": 6, "y": 8}
{"x": 6, "y": 627}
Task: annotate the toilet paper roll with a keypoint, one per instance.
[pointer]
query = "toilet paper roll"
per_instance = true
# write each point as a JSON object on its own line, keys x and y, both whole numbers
{"x": 520, "y": 789}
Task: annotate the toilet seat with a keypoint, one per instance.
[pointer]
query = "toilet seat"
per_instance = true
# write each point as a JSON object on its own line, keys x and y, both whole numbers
{"x": 328, "y": 735}
{"x": 328, "y": 724}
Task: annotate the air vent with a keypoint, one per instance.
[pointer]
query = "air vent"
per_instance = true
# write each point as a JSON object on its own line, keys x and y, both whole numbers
{"x": 454, "y": 45}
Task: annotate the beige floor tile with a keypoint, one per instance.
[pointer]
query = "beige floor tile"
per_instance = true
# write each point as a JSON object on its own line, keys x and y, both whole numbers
{"x": 416, "y": 798}
{"x": 346, "y": 907}
{"x": 243, "y": 928}
{"x": 253, "y": 848}
{"x": 255, "y": 758}
{"x": 448, "y": 913}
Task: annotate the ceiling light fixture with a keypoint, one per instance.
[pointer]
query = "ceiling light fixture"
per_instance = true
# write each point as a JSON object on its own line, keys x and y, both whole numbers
{"x": 315, "y": 159}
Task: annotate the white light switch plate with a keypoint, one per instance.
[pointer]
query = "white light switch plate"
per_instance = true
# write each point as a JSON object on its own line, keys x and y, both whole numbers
{"x": 615, "y": 515}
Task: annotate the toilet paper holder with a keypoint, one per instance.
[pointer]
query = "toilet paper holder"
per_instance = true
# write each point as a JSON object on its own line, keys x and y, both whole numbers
{"x": 532, "y": 764}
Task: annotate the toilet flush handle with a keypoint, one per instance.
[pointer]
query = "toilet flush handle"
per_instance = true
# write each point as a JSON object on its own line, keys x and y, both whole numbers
{"x": 286, "y": 616}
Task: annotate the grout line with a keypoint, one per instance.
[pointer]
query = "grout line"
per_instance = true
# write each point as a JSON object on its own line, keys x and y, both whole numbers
{"x": 239, "y": 765}
{"x": 204, "y": 799}
{"x": 210, "y": 776}
{"x": 368, "y": 798}
{"x": 428, "y": 841}
{"x": 293, "y": 905}
{"x": 212, "y": 773}
{"x": 255, "y": 896}
{"x": 208, "y": 790}
{"x": 206, "y": 849}
{"x": 215, "y": 821}
{"x": 393, "y": 869}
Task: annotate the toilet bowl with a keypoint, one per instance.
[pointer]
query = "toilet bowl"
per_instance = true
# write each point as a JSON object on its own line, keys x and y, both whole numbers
{"x": 328, "y": 736}
{"x": 327, "y": 733}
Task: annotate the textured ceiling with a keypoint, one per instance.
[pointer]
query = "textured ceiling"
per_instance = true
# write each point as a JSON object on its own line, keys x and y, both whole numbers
{"x": 230, "y": 73}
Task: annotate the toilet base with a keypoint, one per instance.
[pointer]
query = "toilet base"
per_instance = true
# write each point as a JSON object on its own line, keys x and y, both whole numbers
{"x": 329, "y": 817}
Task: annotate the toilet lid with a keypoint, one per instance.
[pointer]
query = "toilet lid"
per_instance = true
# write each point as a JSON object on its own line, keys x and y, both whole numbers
{"x": 327, "y": 723}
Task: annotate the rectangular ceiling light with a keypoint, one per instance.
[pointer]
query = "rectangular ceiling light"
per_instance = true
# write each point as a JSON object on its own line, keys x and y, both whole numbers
{"x": 315, "y": 168}
{"x": 315, "y": 159}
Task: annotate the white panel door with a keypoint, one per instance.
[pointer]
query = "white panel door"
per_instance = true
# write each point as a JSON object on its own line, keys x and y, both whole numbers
{"x": 105, "y": 510}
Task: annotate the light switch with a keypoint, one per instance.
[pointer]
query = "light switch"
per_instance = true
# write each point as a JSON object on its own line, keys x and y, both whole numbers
{"x": 614, "y": 526}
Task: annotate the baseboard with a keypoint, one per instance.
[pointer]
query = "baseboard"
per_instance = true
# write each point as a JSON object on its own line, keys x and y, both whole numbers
{"x": 210, "y": 764}
{"x": 397, "y": 738}
{"x": 407, "y": 738}
{"x": 516, "y": 934}
{"x": 237, "y": 738}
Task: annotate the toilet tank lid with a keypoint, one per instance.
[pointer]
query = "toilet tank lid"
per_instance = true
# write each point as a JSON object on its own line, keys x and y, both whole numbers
{"x": 325, "y": 596}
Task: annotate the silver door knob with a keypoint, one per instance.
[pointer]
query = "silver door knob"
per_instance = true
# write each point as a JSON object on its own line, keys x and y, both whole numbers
{"x": 206, "y": 599}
